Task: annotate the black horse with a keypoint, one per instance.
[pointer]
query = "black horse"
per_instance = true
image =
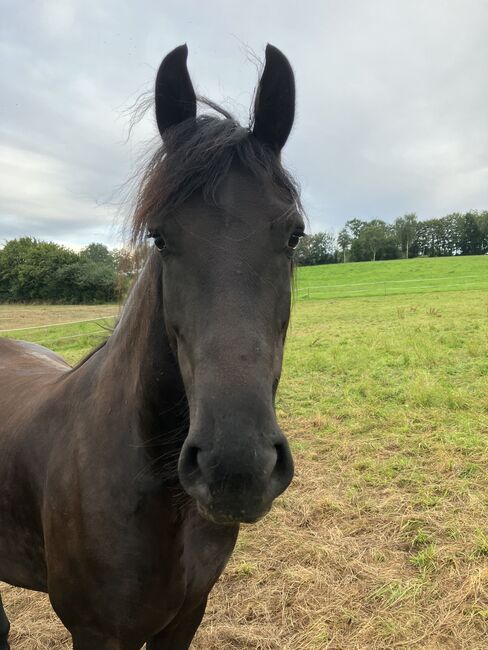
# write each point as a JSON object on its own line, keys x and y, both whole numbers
{"x": 123, "y": 480}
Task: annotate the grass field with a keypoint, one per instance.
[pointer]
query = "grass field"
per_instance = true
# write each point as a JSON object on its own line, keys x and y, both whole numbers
{"x": 70, "y": 330}
{"x": 382, "y": 540}
{"x": 394, "y": 277}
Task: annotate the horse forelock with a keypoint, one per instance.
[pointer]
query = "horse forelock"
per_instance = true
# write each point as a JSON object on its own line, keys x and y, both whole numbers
{"x": 196, "y": 155}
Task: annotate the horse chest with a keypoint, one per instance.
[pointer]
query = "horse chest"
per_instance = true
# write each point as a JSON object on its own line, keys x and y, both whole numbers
{"x": 207, "y": 549}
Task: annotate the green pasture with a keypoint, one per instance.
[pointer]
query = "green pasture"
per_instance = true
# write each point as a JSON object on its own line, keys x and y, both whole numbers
{"x": 393, "y": 277}
{"x": 409, "y": 373}
{"x": 385, "y": 400}
{"x": 71, "y": 341}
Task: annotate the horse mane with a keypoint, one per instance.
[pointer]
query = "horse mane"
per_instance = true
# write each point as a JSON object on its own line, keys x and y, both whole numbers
{"x": 89, "y": 354}
{"x": 195, "y": 155}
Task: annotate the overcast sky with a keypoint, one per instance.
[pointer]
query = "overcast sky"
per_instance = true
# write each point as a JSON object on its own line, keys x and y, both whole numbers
{"x": 391, "y": 115}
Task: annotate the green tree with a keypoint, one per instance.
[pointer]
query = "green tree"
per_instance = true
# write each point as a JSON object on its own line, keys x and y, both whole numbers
{"x": 128, "y": 263}
{"x": 85, "y": 282}
{"x": 374, "y": 235}
{"x": 344, "y": 240}
{"x": 470, "y": 236}
{"x": 355, "y": 226}
{"x": 316, "y": 249}
{"x": 406, "y": 230}
{"x": 32, "y": 270}
{"x": 27, "y": 267}
{"x": 98, "y": 253}
{"x": 482, "y": 219}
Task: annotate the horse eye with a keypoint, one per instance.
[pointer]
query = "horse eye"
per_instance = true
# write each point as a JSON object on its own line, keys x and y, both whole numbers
{"x": 158, "y": 240}
{"x": 295, "y": 239}
{"x": 159, "y": 243}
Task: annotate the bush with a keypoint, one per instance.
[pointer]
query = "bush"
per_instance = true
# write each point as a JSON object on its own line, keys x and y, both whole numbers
{"x": 32, "y": 271}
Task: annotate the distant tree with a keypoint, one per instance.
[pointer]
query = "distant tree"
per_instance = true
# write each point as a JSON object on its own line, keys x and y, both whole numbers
{"x": 470, "y": 236}
{"x": 323, "y": 246}
{"x": 344, "y": 240}
{"x": 406, "y": 230}
{"x": 98, "y": 253}
{"x": 96, "y": 274}
{"x": 125, "y": 270}
{"x": 357, "y": 252}
{"x": 482, "y": 219}
{"x": 355, "y": 226}
{"x": 449, "y": 233}
{"x": 27, "y": 267}
{"x": 32, "y": 270}
{"x": 425, "y": 239}
{"x": 374, "y": 235}
{"x": 84, "y": 282}
{"x": 129, "y": 262}
{"x": 316, "y": 249}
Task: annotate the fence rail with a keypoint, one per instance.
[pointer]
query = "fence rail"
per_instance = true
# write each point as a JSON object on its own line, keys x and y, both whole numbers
{"x": 325, "y": 291}
{"x": 389, "y": 287}
{"x": 40, "y": 327}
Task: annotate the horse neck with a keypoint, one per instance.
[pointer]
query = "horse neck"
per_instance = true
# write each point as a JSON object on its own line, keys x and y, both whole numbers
{"x": 139, "y": 363}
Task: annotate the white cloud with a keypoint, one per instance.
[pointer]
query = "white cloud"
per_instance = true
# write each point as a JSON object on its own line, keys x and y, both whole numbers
{"x": 391, "y": 113}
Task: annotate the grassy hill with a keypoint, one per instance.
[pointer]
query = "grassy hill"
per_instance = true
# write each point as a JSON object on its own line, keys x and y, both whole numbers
{"x": 419, "y": 275}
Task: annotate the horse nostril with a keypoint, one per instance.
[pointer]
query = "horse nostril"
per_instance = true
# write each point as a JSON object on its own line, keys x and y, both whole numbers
{"x": 191, "y": 476}
{"x": 283, "y": 469}
{"x": 189, "y": 461}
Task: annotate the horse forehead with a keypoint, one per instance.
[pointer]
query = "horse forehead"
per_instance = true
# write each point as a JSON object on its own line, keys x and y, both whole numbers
{"x": 243, "y": 194}
{"x": 226, "y": 223}
{"x": 243, "y": 206}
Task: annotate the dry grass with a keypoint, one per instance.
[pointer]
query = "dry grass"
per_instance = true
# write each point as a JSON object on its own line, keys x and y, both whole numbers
{"x": 18, "y": 316}
{"x": 35, "y": 626}
{"x": 335, "y": 567}
{"x": 330, "y": 567}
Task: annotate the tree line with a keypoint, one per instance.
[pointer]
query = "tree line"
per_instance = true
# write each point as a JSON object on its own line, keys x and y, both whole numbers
{"x": 38, "y": 271}
{"x": 454, "y": 234}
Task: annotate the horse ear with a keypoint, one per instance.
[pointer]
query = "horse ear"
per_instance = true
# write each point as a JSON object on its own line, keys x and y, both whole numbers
{"x": 274, "y": 107}
{"x": 175, "y": 97}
